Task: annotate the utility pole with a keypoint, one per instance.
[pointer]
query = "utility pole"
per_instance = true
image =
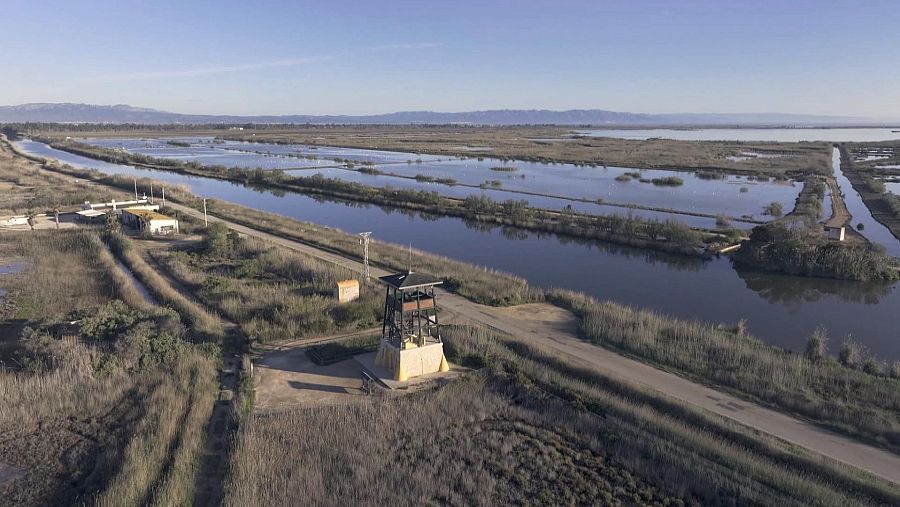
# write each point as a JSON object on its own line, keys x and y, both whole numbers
{"x": 151, "y": 193}
{"x": 205, "y": 218}
{"x": 164, "y": 197}
{"x": 364, "y": 241}
{"x": 135, "y": 189}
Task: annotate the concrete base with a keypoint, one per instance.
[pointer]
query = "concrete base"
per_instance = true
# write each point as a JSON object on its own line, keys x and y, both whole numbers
{"x": 386, "y": 377}
{"x": 411, "y": 361}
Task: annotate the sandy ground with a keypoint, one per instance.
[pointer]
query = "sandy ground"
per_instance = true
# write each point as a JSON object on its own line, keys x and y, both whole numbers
{"x": 288, "y": 379}
{"x": 66, "y": 221}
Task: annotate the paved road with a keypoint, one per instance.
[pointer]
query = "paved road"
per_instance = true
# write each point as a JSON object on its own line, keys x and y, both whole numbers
{"x": 556, "y": 328}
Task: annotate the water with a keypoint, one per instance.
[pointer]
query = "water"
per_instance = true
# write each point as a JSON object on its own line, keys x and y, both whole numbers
{"x": 787, "y": 135}
{"x": 873, "y": 230}
{"x": 208, "y": 151}
{"x": 557, "y": 184}
{"x": 6, "y": 269}
{"x": 780, "y": 310}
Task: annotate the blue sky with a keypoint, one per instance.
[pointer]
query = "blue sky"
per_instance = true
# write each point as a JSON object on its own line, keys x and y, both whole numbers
{"x": 343, "y": 57}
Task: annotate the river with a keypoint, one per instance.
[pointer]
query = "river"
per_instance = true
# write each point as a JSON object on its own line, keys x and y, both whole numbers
{"x": 780, "y": 310}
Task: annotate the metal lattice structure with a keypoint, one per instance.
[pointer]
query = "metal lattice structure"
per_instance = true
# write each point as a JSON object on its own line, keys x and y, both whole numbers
{"x": 364, "y": 241}
{"x": 410, "y": 311}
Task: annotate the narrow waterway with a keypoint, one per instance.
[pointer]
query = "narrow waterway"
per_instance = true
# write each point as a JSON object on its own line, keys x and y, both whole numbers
{"x": 780, "y": 310}
{"x": 872, "y": 229}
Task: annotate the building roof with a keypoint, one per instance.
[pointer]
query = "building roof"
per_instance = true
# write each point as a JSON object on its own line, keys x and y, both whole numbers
{"x": 90, "y": 213}
{"x": 146, "y": 214}
{"x": 410, "y": 280}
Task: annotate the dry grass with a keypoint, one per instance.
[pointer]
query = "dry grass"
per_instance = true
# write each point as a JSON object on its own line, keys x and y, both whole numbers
{"x": 479, "y": 284}
{"x": 202, "y": 321}
{"x": 274, "y": 294}
{"x": 24, "y": 186}
{"x": 528, "y": 429}
{"x": 160, "y": 462}
{"x": 466, "y": 444}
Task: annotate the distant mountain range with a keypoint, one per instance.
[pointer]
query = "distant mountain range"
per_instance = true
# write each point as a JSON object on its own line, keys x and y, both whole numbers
{"x": 89, "y": 113}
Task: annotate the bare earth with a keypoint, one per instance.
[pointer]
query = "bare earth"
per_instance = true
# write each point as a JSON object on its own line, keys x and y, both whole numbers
{"x": 549, "y": 326}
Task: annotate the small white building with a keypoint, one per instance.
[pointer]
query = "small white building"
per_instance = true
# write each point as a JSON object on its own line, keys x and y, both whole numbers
{"x": 835, "y": 233}
{"x": 347, "y": 290}
{"x": 151, "y": 220}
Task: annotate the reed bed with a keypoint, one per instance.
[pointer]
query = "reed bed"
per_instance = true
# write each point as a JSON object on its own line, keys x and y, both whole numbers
{"x": 274, "y": 294}
{"x": 199, "y": 317}
{"x": 846, "y": 399}
{"x": 161, "y": 461}
{"x": 529, "y": 429}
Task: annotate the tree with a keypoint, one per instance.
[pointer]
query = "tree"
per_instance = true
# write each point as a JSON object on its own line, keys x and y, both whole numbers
{"x": 30, "y": 215}
{"x": 817, "y": 345}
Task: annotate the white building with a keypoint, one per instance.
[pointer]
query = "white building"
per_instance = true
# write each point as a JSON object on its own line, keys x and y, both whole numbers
{"x": 153, "y": 221}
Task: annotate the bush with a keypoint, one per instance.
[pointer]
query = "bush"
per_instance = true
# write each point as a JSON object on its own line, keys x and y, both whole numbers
{"x": 851, "y": 354}
{"x": 774, "y": 209}
{"x": 109, "y": 321}
{"x": 220, "y": 241}
{"x": 817, "y": 345}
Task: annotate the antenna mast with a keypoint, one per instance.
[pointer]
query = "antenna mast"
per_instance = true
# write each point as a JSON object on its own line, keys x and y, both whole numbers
{"x": 364, "y": 241}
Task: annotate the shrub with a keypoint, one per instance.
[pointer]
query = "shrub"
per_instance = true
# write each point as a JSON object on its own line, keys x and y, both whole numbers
{"x": 817, "y": 345}
{"x": 775, "y": 209}
{"x": 108, "y": 321}
{"x": 851, "y": 354}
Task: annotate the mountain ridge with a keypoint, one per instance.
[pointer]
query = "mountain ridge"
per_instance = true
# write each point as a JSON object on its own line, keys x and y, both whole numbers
{"x": 68, "y": 112}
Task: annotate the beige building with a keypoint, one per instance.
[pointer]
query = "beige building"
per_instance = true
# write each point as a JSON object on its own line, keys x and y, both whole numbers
{"x": 347, "y": 291}
{"x": 153, "y": 221}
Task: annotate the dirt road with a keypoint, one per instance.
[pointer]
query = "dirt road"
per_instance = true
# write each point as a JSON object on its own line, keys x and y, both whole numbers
{"x": 556, "y": 328}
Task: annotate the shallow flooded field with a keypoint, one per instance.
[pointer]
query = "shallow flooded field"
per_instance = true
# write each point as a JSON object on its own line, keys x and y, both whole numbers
{"x": 542, "y": 185}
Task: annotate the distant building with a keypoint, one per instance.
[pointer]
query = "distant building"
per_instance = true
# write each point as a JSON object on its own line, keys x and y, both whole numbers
{"x": 153, "y": 221}
{"x": 835, "y": 233}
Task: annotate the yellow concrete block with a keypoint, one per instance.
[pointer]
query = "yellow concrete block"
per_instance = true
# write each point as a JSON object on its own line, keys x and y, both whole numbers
{"x": 444, "y": 365}
{"x": 400, "y": 375}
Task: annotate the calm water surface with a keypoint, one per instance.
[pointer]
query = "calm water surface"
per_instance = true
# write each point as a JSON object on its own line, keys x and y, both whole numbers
{"x": 780, "y": 310}
{"x": 787, "y": 135}
{"x": 732, "y": 196}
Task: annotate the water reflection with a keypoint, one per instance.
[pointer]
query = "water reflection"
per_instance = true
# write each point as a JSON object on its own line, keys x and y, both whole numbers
{"x": 785, "y": 289}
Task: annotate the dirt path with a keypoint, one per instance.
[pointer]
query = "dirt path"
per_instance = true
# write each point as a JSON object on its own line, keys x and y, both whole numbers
{"x": 549, "y": 326}
{"x": 220, "y": 428}
{"x": 840, "y": 216}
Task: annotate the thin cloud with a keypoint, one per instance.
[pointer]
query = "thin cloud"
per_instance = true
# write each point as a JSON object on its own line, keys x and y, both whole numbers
{"x": 224, "y": 69}
{"x": 209, "y": 71}
{"x": 407, "y": 45}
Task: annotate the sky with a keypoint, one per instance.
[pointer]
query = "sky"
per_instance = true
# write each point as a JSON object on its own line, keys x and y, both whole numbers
{"x": 367, "y": 57}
